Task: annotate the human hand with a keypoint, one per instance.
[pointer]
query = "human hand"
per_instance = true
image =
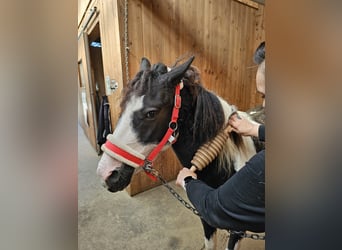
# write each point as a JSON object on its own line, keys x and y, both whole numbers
{"x": 243, "y": 126}
{"x": 185, "y": 172}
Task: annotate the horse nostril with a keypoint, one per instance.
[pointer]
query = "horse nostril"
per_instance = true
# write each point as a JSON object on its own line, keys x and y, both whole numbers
{"x": 114, "y": 177}
{"x": 119, "y": 179}
{"x": 113, "y": 181}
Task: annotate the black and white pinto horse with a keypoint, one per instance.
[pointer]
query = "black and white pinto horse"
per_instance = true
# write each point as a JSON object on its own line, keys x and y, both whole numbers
{"x": 146, "y": 109}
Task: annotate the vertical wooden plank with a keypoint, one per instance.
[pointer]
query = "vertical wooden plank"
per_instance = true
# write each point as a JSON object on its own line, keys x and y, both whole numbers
{"x": 84, "y": 58}
{"x": 135, "y": 35}
{"x": 111, "y": 52}
{"x": 81, "y": 10}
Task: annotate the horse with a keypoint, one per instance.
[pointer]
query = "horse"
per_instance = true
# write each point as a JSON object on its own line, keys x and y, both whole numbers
{"x": 147, "y": 111}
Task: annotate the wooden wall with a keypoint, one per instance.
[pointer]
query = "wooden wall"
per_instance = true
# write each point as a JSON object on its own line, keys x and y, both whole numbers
{"x": 222, "y": 34}
{"x": 111, "y": 52}
{"x": 81, "y": 10}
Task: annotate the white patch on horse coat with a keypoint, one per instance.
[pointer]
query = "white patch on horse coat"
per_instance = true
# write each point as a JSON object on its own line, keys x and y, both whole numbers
{"x": 209, "y": 244}
{"x": 239, "y": 156}
{"x": 228, "y": 109}
{"x": 124, "y": 125}
{"x": 106, "y": 166}
{"x": 124, "y": 129}
{"x": 124, "y": 133}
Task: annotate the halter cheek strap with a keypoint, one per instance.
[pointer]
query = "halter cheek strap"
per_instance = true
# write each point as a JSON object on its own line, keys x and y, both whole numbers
{"x": 134, "y": 159}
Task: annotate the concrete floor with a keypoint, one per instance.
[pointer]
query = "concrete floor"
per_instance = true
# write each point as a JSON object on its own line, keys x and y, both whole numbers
{"x": 152, "y": 220}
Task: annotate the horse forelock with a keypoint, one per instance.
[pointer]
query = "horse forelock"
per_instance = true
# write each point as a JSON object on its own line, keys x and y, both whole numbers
{"x": 131, "y": 87}
{"x": 143, "y": 82}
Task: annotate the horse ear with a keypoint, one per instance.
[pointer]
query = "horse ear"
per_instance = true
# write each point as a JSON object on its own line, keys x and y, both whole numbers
{"x": 145, "y": 64}
{"x": 177, "y": 73}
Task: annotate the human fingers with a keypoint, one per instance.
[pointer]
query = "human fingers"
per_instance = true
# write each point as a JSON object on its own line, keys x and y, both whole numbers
{"x": 185, "y": 172}
{"x": 234, "y": 121}
{"x": 180, "y": 177}
{"x": 233, "y": 116}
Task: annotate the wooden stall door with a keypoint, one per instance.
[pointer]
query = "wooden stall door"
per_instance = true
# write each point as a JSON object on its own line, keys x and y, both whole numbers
{"x": 86, "y": 98}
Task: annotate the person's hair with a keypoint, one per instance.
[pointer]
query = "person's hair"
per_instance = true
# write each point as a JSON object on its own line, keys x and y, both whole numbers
{"x": 259, "y": 55}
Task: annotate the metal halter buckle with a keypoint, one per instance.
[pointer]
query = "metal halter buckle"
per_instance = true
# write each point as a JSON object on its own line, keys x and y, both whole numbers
{"x": 147, "y": 166}
{"x": 173, "y": 125}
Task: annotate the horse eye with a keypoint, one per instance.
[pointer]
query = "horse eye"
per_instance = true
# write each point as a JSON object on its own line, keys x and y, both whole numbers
{"x": 151, "y": 114}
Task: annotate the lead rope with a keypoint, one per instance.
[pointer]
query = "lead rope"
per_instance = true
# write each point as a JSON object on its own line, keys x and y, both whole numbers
{"x": 156, "y": 174}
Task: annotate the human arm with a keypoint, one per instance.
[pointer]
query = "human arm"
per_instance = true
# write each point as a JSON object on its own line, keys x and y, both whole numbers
{"x": 238, "y": 204}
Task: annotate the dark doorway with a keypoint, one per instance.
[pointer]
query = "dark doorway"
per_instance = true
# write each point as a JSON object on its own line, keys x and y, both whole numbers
{"x": 98, "y": 83}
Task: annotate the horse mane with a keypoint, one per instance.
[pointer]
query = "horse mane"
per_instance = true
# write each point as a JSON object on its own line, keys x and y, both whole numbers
{"x": 209, "y": 120}
{"x": 209, "y": 115}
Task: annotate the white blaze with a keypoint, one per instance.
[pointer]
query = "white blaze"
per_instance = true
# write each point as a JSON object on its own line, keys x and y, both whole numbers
{"x": 125, "y": 134}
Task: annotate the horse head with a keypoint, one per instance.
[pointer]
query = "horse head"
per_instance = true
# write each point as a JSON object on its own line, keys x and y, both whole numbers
{"x": 146, "y": 109}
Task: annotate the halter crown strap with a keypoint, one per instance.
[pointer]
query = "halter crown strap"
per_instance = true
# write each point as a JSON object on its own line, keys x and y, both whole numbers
{"x": 132, "y": 158}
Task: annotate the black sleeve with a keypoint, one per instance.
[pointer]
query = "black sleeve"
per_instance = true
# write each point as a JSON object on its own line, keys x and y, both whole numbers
{"x": 205, "y": 200}
{"x": 238, "y": 204}
{"x": 261, "y": 132}
{"x": 197, "y": 192}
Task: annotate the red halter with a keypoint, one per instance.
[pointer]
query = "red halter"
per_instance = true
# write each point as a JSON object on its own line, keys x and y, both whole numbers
{"x": 136, "y": 160}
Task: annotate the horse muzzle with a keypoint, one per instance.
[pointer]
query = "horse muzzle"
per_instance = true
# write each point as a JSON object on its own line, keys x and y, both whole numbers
{"x": 116, "y": 175}
{"x": 120, "y": 178}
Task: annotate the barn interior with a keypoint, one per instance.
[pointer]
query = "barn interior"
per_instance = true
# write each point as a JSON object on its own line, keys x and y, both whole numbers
{"x": 113, "y": 35}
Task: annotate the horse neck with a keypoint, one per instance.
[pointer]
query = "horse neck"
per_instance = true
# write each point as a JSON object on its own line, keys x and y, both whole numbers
{"x": 200, "y": 119}
{"x": 187, "y": 145}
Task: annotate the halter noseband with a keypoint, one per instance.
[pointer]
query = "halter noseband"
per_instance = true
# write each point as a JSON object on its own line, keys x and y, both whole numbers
{"x": 134, "y": 159}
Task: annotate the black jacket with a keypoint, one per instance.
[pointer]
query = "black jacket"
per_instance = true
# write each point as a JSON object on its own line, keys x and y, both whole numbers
{"x": 238, "y": 204}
